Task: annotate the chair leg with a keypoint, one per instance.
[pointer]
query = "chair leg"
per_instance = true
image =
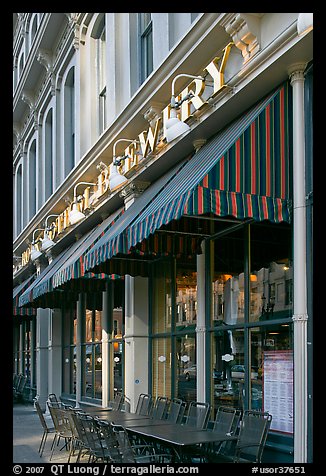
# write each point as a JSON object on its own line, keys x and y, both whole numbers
{"x": 45, "y": 435}
{"x": 53, "y": 444}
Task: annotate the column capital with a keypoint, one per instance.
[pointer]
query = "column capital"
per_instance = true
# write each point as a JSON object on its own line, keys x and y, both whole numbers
{"x": 299, "y": 317}
{"x": 296, "y": 72}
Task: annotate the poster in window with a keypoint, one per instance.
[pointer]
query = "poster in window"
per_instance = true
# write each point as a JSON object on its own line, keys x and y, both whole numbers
{"x": 278, "y": 389}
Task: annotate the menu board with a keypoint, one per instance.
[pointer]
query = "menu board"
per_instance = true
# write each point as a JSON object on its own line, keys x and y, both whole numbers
{"x": 278, "y": 389}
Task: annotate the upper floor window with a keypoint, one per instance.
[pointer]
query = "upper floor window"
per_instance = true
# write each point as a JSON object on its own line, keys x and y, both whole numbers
{"x": 99, "y": 36}
{"x": 146, "y": 45}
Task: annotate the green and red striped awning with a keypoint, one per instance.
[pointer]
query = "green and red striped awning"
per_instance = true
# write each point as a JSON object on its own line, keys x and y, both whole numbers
{"x": 43, "y": 291}
{"x": 243, "y": 172}
{"x": 17, "y": 292}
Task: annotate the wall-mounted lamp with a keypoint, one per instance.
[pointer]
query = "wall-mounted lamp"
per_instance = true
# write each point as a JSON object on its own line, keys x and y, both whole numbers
{"x": 174, "y": 127}
{"x": 47, "y": 243}
{"x": 305, "y": 23}
{"x": 35, "y": 253}
{"x": 116, "y": 179}
{"x": 75, "y": 215}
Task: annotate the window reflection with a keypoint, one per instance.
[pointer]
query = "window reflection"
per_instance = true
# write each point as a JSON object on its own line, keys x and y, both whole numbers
{"x": 186, "y": 368}
{"x": 186, "y": 299}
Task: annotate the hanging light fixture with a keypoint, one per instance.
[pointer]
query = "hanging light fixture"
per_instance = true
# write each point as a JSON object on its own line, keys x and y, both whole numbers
{"x": 116, "y": 180}
{"x": 76, "y": 215}
{"x": 35, "y": 253}
{"x": 174, "y": 127}
{"x": 47, "y": 243}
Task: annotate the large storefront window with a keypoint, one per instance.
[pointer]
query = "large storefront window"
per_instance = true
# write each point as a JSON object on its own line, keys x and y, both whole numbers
{"x": 251, "y": 343}
{"x": 174, "y": 315}
{"x": 92, "y": 354}
{"x": 117, "y": 349}
{"x": 69, "y": 336}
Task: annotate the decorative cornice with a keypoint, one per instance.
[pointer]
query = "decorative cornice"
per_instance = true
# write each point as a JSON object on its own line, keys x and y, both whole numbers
{"x": 153, "y": 113}
{"x": 75, "y": 27}
{"x": 134, "y": 189}
{"x": 45, "y": 58}
{"x": 244, "y": 28}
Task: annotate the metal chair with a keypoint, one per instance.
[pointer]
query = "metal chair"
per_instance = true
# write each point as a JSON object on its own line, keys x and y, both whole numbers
{"x": 18, "y": 391}
{"x": 61, "y": 426}
{"x": 46, "y": 429}
{"x": 140, "y": 453}
{"x": 226, "y": 423}
{"x": 197, "y": 414}
{"x": 176, "y": 410}
{"x": 159, "y": 409}
{"x": 117, "y": 401}
{"x": 253, "y": 432}
{"x": 52, "y": 398}
{"x": 94, "y": 441}
{"x": 110, "y": 442}
{"x": 144, "y": 404}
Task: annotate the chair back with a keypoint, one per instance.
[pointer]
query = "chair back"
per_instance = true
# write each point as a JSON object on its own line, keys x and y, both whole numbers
{"x": 198, "y": 414}
{"x": 144, "y": 404}
{"x": 117, "y": 401}
{"x": 110, "y": 438}
{"x": 226, "y": 420}
{"x": 21, "y": 384}
{"x": 125, "y": 447}
{"x": 54, "y": 400}
{"x": 40, "y": 415}
{"x": 176, "y": 410}
{"x": 159, "y": 408}
{"x": 254, "y": 427}
{"x": 91, "y": 434}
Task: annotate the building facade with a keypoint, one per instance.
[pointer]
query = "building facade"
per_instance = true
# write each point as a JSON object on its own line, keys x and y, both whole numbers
{"x": 163, "y": 211}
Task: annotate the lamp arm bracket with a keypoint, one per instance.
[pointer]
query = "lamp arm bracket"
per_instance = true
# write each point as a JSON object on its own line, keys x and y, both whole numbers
{"x": 180, "y": 76}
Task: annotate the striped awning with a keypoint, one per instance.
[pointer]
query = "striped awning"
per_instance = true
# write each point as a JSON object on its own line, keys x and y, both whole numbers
{"x": 43, "y": 293}
{"x": 114, "y": 241}
{"x": 243, "y": 172}
{"x": 17, "y": 292}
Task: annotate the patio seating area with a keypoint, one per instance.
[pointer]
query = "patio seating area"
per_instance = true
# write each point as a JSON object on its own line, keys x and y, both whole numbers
{"x": 160, "y": 431}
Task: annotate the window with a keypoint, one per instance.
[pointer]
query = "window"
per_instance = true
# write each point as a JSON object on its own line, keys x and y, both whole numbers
{"x": 69, "y": 122}
{"x": 48, "y": 139}
{"x": 92, "y": 354}
{"x": 69, "y": 326}
{"x": 146, "y": 45}
{"x": 32, "y": 179}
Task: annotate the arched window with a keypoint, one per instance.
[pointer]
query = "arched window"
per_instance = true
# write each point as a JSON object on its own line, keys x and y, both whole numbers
{"x": 32, "y": 180}
{"x": 69, "y": 122}
{"x": 98, "y": 33}
{"x": 146, "y": 44}
{"x": 48, "y": 151}
{"x": 33, "y": 29}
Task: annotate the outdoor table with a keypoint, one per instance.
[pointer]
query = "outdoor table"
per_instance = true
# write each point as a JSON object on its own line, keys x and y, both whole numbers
{"x": 119, "y": 416}
{"x": 178, "y": 436}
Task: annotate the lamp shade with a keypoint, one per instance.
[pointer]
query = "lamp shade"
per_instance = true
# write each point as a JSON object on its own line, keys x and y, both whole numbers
{"x": 35, "y": 253}
{"x": 174, "y": 127}
{"x": 116, "y": 180}
{"x": 46, "y": 242}
{"x": 75, "y": 215}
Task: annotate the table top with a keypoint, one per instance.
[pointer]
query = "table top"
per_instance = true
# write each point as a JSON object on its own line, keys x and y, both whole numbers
{"x": 179, "y": 435}
{"x": 118, "y": 416}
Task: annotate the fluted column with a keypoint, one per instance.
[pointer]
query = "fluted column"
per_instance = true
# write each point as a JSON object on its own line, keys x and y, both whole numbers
{"x": 300, "y": 316}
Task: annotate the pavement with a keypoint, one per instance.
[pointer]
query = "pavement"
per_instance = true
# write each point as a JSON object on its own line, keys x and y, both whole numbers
{"x": 27, "y": 435}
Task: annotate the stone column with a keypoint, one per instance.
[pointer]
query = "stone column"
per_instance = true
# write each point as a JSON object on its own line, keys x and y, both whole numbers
{"x": 42, "y": 332}
{"x": 136, "y": 322}
{"x": 201, "y": 328}
{"x": 107, "y": 388}
{"x": 300, "y": 316}
{"x": 81, "y": 306}
{"x": 55, "y": 352}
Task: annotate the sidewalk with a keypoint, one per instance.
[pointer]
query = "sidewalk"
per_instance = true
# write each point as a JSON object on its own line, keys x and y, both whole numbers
{"x": 27, "y": 434}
